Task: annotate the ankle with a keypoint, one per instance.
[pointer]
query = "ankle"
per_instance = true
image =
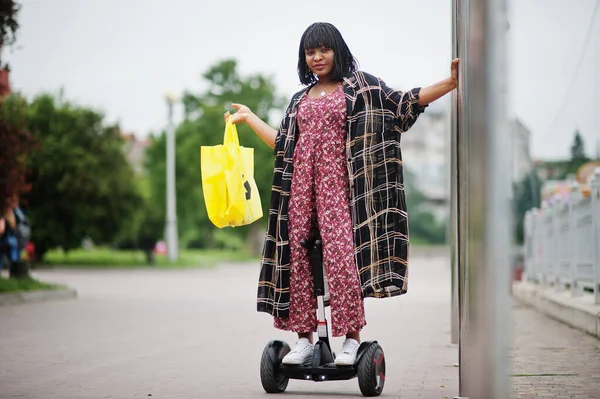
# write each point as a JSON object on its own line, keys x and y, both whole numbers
{"x": 308, "y": 336}
{"x": 355, "y": 335}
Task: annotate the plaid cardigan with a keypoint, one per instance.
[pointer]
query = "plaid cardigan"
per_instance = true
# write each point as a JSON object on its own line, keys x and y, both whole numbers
{"x": 376, "y": 115}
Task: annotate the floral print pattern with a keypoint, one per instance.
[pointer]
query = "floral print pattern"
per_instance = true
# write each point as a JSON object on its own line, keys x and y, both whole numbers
{"x": 320, "y": 199}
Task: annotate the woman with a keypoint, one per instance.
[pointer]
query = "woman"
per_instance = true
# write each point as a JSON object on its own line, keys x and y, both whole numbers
{"x": 338, "y": 171}
{"x": 11, "y": 238}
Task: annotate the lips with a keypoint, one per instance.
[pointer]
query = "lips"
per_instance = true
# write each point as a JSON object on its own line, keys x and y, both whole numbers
{"x": 319, "y": 66}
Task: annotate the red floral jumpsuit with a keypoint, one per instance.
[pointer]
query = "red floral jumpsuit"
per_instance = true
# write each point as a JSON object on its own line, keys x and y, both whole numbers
{"x": 320, "y": 196}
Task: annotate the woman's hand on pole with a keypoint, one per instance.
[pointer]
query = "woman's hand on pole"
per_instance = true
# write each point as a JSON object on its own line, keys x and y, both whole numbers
{"x": 454, "y": 71}
{"x": 431, "y": 93}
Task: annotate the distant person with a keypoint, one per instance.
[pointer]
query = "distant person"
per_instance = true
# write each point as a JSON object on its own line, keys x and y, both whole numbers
{"x": 14, "y": 232}
{"x": 338, "y": 173}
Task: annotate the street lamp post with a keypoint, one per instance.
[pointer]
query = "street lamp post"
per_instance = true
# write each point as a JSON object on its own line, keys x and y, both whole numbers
{"x": 171, "y": 227}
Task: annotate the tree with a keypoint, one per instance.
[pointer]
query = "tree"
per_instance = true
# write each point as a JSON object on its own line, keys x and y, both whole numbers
{"x": 8, "y": 23}
{"x": 578, "y": 148}
{"x": 578, "y": 156}
{"x": 204, "y": 126}
{"x": 425, "y": 228}
{"x": 15, "y": 140}
{"x": 146, "y": 224}
{"x": 526, "y": 197}
{"x": 422, "y": 224}
{"x": 82, "y": 185}
{"x": 15, "y": 143}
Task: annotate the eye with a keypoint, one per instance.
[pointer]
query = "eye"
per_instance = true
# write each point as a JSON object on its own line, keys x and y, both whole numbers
{"x": 325, "y": 49}
{"x": 310, "y": 52}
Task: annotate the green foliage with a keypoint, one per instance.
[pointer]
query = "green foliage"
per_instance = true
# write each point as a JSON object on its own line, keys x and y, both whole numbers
{"x": 204, "y": 126}
{"x": 82, "y": 184}
{"x": 414, "y": 197}
{"x": 578, "y": 148}
{"x": 423, "y": 226}
{"x": 15, "y": 143}
{"x": 146, "y": 224}
{"x": 578, "y": 156}
{"x": 526, "y": 196}
{"x": 99, "y": 257}
{"x": 8, "y": 22}
{"x": 25, "y": 284}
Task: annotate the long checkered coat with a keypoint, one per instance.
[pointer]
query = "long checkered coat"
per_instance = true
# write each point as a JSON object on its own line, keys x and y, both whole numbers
{"x": 376, "y": 116}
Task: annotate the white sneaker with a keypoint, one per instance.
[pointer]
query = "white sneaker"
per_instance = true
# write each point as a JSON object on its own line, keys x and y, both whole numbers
{"x": 300, "y": 354}
{"x": 347, "y": 356}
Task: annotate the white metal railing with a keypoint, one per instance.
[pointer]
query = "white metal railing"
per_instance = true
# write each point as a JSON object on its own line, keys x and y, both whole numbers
{"x": 562, "y": 241}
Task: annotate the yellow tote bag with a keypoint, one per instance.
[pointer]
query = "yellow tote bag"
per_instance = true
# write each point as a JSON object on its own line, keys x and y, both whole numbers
{"x": 230, "y": 192}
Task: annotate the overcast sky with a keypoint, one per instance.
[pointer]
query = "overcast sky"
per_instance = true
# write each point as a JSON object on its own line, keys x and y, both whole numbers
{"x": 121, "y": 56}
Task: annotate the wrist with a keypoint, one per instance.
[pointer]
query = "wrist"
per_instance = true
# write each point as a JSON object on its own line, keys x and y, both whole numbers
{"x": 452, "y": 83}
{"x": 251, "y": 117}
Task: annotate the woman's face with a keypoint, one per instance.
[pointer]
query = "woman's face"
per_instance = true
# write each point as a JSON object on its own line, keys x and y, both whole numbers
{"x": 320, "y": 61}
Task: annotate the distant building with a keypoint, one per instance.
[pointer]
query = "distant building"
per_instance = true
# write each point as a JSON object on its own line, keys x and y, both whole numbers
{"x": 551, "y": 170}
{"x": 426, "y": 153}
{"x": 135, "y": 151}
{"x": 521, "y": 152}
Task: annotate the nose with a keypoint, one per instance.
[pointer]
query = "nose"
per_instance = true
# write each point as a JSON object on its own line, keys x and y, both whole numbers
{"x": 318, "y": 56}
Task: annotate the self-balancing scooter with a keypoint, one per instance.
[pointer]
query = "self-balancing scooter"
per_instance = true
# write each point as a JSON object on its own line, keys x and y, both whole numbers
{"x": 369, "y": 366}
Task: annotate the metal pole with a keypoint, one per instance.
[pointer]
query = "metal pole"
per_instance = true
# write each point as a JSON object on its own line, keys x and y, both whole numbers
{"x": 484, "y": 371}
{"x": 462, "y": 184}
{"x": 171, "y": 228}
{"x": 453, "y": 190}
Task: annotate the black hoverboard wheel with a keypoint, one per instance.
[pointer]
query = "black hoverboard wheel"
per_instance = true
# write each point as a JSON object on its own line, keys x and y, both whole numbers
{"x": 273, "y": 381}
{"x": 371, "y": 371}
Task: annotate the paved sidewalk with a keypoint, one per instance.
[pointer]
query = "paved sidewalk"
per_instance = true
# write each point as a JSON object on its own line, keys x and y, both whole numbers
{"x": 196, "y": 334}
{"x": 552, "y": 360}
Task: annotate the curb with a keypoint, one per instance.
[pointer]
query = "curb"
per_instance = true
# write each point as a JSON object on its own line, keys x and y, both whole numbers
{"x": 579, "y": 313}
{"x": 17, "y": 298}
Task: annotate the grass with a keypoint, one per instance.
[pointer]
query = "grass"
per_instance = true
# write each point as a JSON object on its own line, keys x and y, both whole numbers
{"x": 546, "y": 375}
{"x": 101, "y": 257}
{"x": 110, "y": 258}
{"x": 8, "y": 285}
